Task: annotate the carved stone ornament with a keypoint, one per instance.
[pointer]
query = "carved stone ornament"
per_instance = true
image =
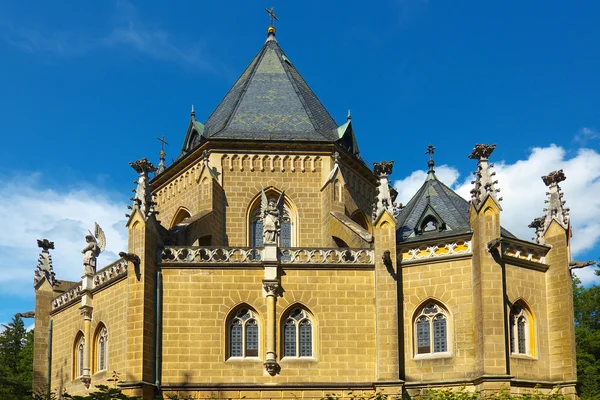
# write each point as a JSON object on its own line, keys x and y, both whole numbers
{"x": 482, "y": 151}
{"x": 143, "y": 197}
{"x": 272, "y": 367}
{"x": 86, "y": 380}
{"x": 271, "y": 213}
{"x": 554, "y": 177}
{"x": 556, "y": 210}
{"x": 44, "y": 268}
{"x": 86, "y": 312}
{"x": 383, "y": 167}
{"x": 484, "y": 182}
{"x": 96, "y": 243}
{"x": 130, "y": 257}
{"x": 271, "y": 287}
{"x": 28, "y": 314}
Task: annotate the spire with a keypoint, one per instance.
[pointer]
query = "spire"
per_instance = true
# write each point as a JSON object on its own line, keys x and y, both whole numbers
{"x": 193, "y": 113}
{"x": 44, "y": 267}
{"x": 143, "y": 197}
{"x": 161, "y": 163}
{"x": 349, "y": 117}
{"x": 485, "y": 185}
{"x": 385, "y": 197}
{"x": 271, "y": 29}
{"x": 556, "y": 210}
{"x": 430, "y": 163}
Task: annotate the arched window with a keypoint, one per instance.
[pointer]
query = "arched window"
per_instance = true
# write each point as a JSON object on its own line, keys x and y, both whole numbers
{"x": 78, "y": 350}
{"x": 181, "y": 215}
{"x": 521, "y": 330}
{"x": 256, "y": 227}
{"x": 431, "y": 329}
{"x": 101, "y": 348}
{"x": 430, "y": 224}
{"x": 297, "y": 334}
{"x": 360, "y": 218}
{"x": 243, "y": 333}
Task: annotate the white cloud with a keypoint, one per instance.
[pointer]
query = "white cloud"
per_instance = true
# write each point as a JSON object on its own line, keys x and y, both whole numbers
{"x": 29, "y": 213}
{"x": 586, "y": 134}
{"x": 524, "y": 192}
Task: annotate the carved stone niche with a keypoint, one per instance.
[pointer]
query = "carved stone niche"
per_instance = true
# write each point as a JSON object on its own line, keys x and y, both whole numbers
{"x": 482, "y": 151}
{"x": 383, "y": 167}
{"x": 554, "y": 177}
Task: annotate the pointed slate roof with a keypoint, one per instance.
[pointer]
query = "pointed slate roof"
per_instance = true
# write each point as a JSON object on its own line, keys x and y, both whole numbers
{"x": 435, "y": 198}
{"x": 271, "y": 101}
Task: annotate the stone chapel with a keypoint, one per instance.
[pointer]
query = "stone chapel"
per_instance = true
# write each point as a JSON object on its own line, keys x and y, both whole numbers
{"x": 350, "y": 293}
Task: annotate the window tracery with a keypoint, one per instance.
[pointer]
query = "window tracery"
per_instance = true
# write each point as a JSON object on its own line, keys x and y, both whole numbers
{"x": 431, "y": 330}
{"x": 298, "y": 334}
{"x": 101, "y": 352}
{"x": 243, "y": 334}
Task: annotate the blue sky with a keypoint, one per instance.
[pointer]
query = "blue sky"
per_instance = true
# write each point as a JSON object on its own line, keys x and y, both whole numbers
{"x": 88, "y": 86}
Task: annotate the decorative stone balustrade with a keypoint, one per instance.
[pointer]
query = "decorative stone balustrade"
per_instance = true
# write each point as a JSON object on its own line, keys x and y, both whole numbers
{"x": 432, "y": 251}
{"x": 523, "y": 252}
{"x": 327, "y": 256}
{"x": 210, "y": 255}
{"x": 207, "y": 255}
{"x": 111, "y": 272}
{"x": 67, "y": 297}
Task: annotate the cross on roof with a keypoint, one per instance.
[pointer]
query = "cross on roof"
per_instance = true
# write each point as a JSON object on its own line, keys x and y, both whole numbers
{"x": 163, "y": 142}
{"x": 430, "y": 151}
{"x": 271, "y": 15}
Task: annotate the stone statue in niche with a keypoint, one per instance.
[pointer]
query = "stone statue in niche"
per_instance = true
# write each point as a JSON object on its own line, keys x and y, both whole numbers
{"x": 271, "y": 213}
{"x": 96, "y": 243}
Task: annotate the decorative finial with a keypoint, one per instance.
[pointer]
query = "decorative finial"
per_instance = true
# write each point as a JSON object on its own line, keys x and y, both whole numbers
{"x": 430, "y": 163}
{"x": 556, "y": 210}
{"x": 44, "y": 268}
{"x": 193, "y": 113}
{"x": 384, "y": 200}
{"x": 349, "y": 117}
{"x": 161, "y": 163}
{"x": 143, "y": 197}
{"x": 484, "y": 181}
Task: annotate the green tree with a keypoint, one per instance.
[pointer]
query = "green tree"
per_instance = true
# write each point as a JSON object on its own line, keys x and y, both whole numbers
{"x": 587, "y": 336}
{"x": 16, "y": 361}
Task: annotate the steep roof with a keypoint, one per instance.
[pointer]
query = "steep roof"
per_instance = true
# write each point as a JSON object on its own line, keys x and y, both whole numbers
{"x": 271, "y": 101}
{"x": 440, "y": 202}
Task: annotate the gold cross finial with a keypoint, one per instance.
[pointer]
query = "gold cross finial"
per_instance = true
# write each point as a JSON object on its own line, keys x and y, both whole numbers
{"x": 271, "y": 15}
{"x": 162, "y": 145}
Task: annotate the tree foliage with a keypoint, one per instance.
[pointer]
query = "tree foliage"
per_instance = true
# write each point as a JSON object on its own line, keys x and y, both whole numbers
{"x": 587, "y": 336}
{"x": 16, "y": 361}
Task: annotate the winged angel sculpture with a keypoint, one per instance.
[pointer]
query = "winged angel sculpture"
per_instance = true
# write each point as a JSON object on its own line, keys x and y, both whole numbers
{"x": 96, "y": 243}
{"x": 271, "y": 213}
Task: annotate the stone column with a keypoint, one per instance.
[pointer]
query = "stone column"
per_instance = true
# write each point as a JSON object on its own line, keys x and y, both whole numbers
{"x": 270, "y": 287}
{"x": 86, "y": 311}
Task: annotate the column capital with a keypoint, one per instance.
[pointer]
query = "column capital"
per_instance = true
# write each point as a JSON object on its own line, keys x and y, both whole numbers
{"x": 271, "y": 286}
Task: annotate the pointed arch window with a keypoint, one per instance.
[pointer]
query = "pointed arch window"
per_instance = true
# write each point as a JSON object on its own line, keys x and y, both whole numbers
{"x": 521, "y": 330}
{"x": 243, "y": 334}
{"x": 78, "y": 352}
{"x": 298, "y": 334}
{"x": 101, "y": 349}
{"x": 431, "y": 330}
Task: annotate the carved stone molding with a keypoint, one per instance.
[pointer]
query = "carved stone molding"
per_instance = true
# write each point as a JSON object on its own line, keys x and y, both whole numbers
{"x": 192, "y": 254}
{"x": 44, "y": 268}
{"x": 86, "y": 380}
{"x": 484, "y": 182}
{"x": 86, "y": 312}
{"x": 271, "y": 287}
{"x": 435, "y": 251}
